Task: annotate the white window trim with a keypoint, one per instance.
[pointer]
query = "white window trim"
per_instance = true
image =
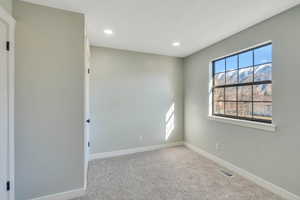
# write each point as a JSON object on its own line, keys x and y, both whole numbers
{"x": 238, "y": 122}
{"x": 244, "y": 123}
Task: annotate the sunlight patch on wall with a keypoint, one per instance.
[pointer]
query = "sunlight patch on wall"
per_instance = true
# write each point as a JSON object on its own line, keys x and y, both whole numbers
{"x": 170, "y": 121}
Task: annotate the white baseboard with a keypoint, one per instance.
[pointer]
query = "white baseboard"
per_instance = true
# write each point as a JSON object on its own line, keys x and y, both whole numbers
{"x": 259, "y": 181}
{"x": 132, "y": 151}
{"x": 63, "y": 195}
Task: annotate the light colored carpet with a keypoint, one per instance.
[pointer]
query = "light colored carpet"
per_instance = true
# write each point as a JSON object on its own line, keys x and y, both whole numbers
{"x": 167, "y": 174}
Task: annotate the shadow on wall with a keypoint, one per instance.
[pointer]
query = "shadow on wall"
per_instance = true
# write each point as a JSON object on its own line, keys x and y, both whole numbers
{"x": 170, "y": 121}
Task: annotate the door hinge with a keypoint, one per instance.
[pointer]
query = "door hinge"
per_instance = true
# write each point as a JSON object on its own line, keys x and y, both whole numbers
{"x": 89, "y": 70}
{"x": 89, "y": 144}
{"x": 7, "y": 45}
{"x": 8, "y": 186}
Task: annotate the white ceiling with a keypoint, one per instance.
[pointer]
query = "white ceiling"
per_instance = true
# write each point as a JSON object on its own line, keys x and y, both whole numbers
{"x": 152, "y": 25}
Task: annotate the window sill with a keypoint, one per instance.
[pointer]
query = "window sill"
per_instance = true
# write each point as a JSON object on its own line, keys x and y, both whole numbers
{"x": 244, "y": 123}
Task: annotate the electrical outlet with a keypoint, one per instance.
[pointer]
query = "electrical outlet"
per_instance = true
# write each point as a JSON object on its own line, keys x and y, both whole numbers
{"x": 141, "y": 138}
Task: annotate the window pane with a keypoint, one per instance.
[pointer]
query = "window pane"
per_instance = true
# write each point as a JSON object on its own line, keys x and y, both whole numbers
{"x": 220, "y": 79}
{"x": 245, "y": 109}
{"x": 246, "y": 59}
{"x": 262, "y": 111}
{"x": 263, "y": 72}
{"x": 262, "y": 92}
{"x": 231, "y": 77}
{"x": 230, "y": 108}
{"x": 218, "y": 107}
{"x": 219, "y": 66}
{"x": 219, "y": 94}
{"x": 245, "y": 93}
{"x": 230, "y": 94}
{"x": 231, "y": 63}
{"x": 240, "y": 93}
{"x": 263, "y": 55}
{"x": 246, "y": 75}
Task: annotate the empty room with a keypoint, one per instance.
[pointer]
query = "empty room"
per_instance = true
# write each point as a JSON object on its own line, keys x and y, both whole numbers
{"x": 149, "y": 100}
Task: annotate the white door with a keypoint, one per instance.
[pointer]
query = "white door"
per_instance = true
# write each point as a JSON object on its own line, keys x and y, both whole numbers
{"x": 87, "y": 108}
{"x": 4, "y": 162}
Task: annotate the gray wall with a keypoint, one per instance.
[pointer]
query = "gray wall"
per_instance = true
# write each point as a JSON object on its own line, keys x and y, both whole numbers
{"x": 49, "y": 100}
{"x": 130, "y": 95}
{"x": 272, "y": 156}
{"x": 7, "y": 5}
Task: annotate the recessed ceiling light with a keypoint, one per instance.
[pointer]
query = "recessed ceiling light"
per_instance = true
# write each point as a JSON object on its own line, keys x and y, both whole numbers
{"x": 108, "y": 31}
{"x": 176, "y": 44}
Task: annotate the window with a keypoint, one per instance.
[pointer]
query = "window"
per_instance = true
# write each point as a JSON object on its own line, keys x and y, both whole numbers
{"x": 242, "y": 85}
